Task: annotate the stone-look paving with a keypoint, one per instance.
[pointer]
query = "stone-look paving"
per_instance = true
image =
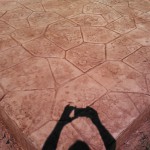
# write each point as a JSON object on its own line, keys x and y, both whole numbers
{"x": 83, "y": 53}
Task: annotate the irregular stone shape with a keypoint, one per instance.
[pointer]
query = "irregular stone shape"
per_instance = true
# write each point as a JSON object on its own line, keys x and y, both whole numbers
{"x": 89, "y": 131}
{"x": 54, "y": 5}
{"x": 67, "y": 137}
{"x": 29, "y": 109}
{"x": 44, "y": 48}
{"x": 116, "y": 112}
{"x": 144, "y": 17}
{"x": 122, "y": 25}
{"x": 5, "y": 28}
{"x": 148, "y": 81}
{"x": 140, "y": 60}
{"x": 96, "y": 8}
{"x": 140, "y": 5}
{"x": 13, "y": 56}
{"x": 120, "y": 48}
{"x": 32, "y": 74}
{"x": 80, "y": 92}
{"x": 62, "y": 70}
{"x": 18, "y": 23}
{"x": 8, "y": 5}
{"x": 117, "y": 76}
{"x": 111, "y": 16}
{"x": 20, "y": 13}
{"x": 124, "y": 9}
{"x": 144, "y": 26}
{"x": 43, "y": 18}
{"x": 141, "y": 101}
{"x": 27, "y": 34}
{"x": 89, "y": 20}
{"x": 98, "y": 34}
{"x": 6, "y": 42}
{"x": 35, "y": 6}
{"x": 65, "y": 36}
{"x": 140, "y": 36}
{"x": 87, "y": 56}
{"x": 72, "y": 9}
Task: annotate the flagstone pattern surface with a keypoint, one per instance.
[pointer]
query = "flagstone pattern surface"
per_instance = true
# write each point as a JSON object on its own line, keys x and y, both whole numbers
{"x": 83, "y": 53}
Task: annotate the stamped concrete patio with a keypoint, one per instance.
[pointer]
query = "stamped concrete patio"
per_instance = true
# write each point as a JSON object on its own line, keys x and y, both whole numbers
{"x": 80, "y": 52}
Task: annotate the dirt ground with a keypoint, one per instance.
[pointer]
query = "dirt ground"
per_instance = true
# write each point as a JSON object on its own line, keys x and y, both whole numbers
{"x": 139, "y": 140}
{"x": 6, "y": 140}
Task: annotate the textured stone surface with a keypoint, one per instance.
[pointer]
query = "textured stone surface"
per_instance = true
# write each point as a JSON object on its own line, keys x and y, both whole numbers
{"x": 67, "y": 70}
{"x": 26, "y": 34}
{"x": 140, "y": 60}
{"x": 5, "y": 28}
{"x": 140, "y": 36}
{"x": 80, "y": 92}
{"x": 119, "y": 77}
{"x": 43, "y": 18}
{"x": 122, "y": 25}
{"x": 31, "y": 111}
{"x": 25, "y": 76}
{"x": 89, "y": 20}
{"x": 44, "y": 48}
{"x": 79, "y": 52}
{"x": 13, "y": 56}
{"x": 98, "y": 34}
{"x": 87, "y": 56}
{"x": 116, "y": 106}
{"x": 121, "y": 48}
{"x": 20, "y": 13}
{"x": 65, "y": 36}
{"x": 6, "y": 42}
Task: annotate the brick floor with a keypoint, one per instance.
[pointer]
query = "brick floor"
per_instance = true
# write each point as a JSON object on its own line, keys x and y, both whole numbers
{"x": 84, "y": 53}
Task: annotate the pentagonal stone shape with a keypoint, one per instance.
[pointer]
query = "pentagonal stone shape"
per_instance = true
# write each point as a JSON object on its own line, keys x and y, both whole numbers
{"x": 87, "y": 56}
{"x": 80, "y": 92}
{"x": 18, "y": 13}
{"x": 98, "y": 34}
{"x": 43, "y": 18}
{"x": 120, "y": 48}
{"x": 5, "y": 28}
{"x": 65, "y": 37}
{"x": 89, "y": 20}
{"x": 122, "y": 25}
{"x": 44, "y": 48}
{"x": 140, "y": 60}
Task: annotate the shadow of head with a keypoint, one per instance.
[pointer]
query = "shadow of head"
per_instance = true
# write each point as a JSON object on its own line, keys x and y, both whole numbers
{"x": 79, "y": 145}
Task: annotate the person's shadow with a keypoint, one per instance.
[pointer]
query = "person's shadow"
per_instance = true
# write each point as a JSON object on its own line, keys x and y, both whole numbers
{"x": 52, "y": 140}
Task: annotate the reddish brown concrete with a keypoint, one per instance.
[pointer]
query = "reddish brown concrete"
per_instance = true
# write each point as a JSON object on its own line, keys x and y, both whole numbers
{"x": 84, "y": 53}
